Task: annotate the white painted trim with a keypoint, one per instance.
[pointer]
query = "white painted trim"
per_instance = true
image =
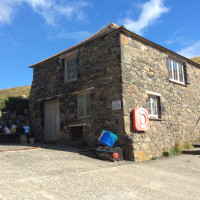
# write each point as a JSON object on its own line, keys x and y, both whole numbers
{"x": 153, "y": 116}
{"x": 180, "y": 67}
{"x": 84, "y": 95}
{"x": 83, "y": 91}
{"x": 69, "y": 54}
{"x": 50, "y": 98}
{"x": 85, "y": 117}
{"x": 181, "y": 83}
{"x": 67, "y": 69}
{"x": 153, "y": 93}
{"x": 75, "y": 125}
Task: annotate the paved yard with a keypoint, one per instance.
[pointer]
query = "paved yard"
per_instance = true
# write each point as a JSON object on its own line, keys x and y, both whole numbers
{"x": 62, "y": 173}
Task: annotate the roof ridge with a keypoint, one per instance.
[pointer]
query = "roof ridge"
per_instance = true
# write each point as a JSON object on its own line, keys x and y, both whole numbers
{"x": 107, "y": 29}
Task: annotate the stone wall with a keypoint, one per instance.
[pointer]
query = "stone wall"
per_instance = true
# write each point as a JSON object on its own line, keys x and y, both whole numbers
{"x": 144, "y": 67}
{"x": 8, "y": 119}
{"x": 120, "y": 67}
{"x": 98, "y": 67}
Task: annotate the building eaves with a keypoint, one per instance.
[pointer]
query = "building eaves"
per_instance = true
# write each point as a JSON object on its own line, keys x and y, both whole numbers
{"x": 104, "y": 31}
{"x": 111, "y": 28}
{"x": 160, "y": 47}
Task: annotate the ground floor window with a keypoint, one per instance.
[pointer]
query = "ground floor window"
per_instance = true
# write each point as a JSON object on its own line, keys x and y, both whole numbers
{"x": 84, "y": 105}
{"x": 153, "y": 106}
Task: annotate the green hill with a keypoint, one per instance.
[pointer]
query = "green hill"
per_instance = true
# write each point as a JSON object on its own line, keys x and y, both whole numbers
{"x": 16, "y": 91}
{"x": 196, "y": 59}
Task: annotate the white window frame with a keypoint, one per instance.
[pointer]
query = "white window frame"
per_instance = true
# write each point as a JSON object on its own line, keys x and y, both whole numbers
{"x": 150, "y": 97}
{"x": 83, "y": 94}
{"x": 67, "y": 70}
{"x": 179, "y": 67}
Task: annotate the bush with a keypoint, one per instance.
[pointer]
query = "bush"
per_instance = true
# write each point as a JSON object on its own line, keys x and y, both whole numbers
{"x": 11, "y": 104}
{"x": 166, "y": 154}
{"x": 3, "y": 103}
{"x": 177, "y": 149}
{"x": 187, "y": 145}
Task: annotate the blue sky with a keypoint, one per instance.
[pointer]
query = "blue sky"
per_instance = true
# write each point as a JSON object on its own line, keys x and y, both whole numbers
{"x": 32, "y": 30}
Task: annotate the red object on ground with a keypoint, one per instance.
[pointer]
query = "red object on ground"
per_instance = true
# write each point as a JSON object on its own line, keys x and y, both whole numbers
{"x": 141, "y": 119}
{"x": 115, "y": 155}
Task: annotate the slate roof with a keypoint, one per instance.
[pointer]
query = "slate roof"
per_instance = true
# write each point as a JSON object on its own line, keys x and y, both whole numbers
{"x": 107, "y": 29}
{"x": 112, "y": 28}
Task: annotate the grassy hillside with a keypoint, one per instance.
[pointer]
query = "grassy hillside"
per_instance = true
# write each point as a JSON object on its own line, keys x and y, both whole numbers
{"x": 16, "y": 92}
{"x": 196, "y": 59}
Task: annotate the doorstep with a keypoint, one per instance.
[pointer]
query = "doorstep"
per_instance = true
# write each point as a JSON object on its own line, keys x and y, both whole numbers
{"x": 195, "y": 151}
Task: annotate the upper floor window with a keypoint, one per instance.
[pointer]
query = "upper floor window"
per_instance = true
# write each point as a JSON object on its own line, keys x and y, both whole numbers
{"x": 70, "y": 69}
{"x": 176, "y": 71}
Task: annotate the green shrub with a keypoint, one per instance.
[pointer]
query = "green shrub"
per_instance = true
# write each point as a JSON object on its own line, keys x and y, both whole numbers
{"x": 177, "y": 149}
{"x": 81, "y": 142}
{"x": 166, "y": 154}
{"x": 11, "y": 104}
{"x": 187, "y": 145}
{"x": 154, "y": 158}
{"x": 3, "y": 103}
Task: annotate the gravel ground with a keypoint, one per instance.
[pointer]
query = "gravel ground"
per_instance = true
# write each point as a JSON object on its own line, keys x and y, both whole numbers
{"x": 59, "y": 173}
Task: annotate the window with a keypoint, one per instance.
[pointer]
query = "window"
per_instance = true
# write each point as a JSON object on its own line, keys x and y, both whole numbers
{"x": 70, "y": 69}
{"x": 84, "y": 105}
{"x": 176, "y": 71}
{"x": 153, "y": 106}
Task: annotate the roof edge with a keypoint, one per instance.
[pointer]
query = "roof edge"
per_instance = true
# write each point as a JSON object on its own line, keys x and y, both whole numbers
{"x": 122, "y": 27}
{"x": 160, "y": 47}
{"x": 76, "y": 46}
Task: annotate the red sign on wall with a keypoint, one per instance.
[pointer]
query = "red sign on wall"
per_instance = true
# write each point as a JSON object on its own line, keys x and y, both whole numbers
{"x": 141, "y": 119}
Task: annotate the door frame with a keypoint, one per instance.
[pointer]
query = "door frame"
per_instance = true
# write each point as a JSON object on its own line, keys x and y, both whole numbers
{"x": 46, "y": 138}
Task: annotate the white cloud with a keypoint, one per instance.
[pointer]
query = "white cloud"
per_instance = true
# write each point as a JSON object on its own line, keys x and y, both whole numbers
{"x": 181, "y": 40}
{"x": 6, "y": 10}
{"x": 51, "y": 10}
{"x": 178, "y": 39}
{"x": 191, "y": 51}
{"x": 151, "y": 11}
{"x": 80, "y": 35}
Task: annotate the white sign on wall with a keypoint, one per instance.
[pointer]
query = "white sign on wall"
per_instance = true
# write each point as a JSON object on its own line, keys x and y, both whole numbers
{"x": 116, "y": 105}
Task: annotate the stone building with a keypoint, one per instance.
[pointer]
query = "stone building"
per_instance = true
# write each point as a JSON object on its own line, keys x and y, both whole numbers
{"x": 95, "y": 85}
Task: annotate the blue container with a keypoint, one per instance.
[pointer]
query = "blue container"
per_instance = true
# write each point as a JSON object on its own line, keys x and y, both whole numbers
{"x": 108, "y": 138}
{"x": 26, "y": 129}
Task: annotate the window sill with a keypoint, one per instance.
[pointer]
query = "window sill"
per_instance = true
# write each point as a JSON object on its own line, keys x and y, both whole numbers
{"x": 178, "y": 83}
{"x": 155, "y": 119}
{"x": 67, "y": 82}
{"x": 84, "y": 117}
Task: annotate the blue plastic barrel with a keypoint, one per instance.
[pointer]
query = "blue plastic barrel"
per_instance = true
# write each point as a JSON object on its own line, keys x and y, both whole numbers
{"x": 26, "y": 129}
{"x": 108, "y": 138}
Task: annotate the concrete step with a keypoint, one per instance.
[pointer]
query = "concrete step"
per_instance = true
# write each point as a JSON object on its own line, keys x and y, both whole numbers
{"x": 195, "y": 151}
{"x": 197, "y": 145}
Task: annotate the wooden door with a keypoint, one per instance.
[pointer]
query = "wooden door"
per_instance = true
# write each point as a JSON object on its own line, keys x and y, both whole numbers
{"x": 52, "y": 121}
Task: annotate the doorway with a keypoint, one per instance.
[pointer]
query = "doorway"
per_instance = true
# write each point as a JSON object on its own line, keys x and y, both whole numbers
{"x": 52, "y": 121}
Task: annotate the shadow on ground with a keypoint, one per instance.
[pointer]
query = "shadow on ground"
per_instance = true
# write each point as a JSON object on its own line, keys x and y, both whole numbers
{"x": 20, "y": 147}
